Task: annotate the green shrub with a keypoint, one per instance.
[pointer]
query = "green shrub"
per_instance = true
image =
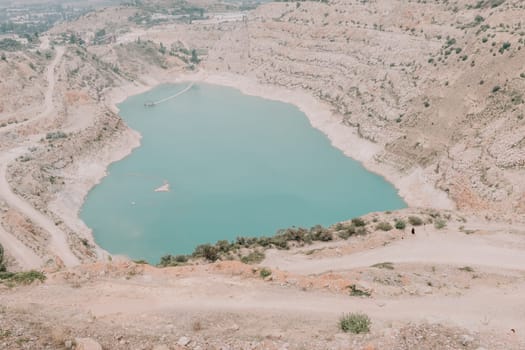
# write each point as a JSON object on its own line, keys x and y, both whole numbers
{"x": 319, "y": 233}
{"x": 440, "y": 223}
{"x": 253, "y": 258}
{"x": 180, "y": 258}
{"x": 206, "y": 251}
{"x": 140, "y": 262}
{"x": 358, "y": 222}
{"x": 265, "y": 272}
{"x": 450, "y": 42}
{"x": 415, "y": 221}
{"x": 361, "y": 231}
{"x": 55, "y": 135}
{"x": 496, "y": 89}
{"x": 505, "y": 46}
{"x": 170, "y": 260}
{"x": 344, "y": 234}
{"x": 400, "y": 224}
{"x": 384, "y": 265}
{"x": 466, "y": 269}
{"x": 384, "y": 226}
{"x": 355, "y": 323}
{"x": 347, "y": 232}
{"x": 25, "y": 277}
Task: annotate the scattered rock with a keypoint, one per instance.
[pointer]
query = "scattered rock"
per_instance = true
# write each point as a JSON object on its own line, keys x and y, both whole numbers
{"x": 466, "y": 339}
{"x": 234, "y": 327}
{"x": 87, "y": 344}
{"x": 183, "y": 341}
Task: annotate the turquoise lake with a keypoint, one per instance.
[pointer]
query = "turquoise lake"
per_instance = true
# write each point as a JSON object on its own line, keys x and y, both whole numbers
{"x": 237, "y": 165}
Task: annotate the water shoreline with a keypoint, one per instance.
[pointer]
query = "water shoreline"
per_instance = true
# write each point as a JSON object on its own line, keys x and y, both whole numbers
{"x": 413, "y": 188}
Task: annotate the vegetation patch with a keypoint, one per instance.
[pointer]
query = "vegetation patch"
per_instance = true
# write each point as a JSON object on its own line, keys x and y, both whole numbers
{"x": 440, "y": 223}
{"x": 466, "y": 269}
{"x": 265, "y": 273}
{"x": 355, "y": 323}
{"x": 173, "y": 260}
{"x": 25, "y": 277}
{"x": 356, "y": 292}
{"x": 384, "y": 226}
{"x": 254, "y": 257}
{"x": 358, "y": 222}
{"x": 415, "y": 220}
{"x": 10, "y": 45}
{"x": 384, "y": 265}
{"x": 55, "y": 135}
{"x": 282, "y": 240}
{"x": 400, "y": 224}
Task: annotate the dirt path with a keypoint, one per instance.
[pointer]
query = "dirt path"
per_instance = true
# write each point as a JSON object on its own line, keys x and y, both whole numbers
{"x": 153, "y": 296}
{"x": 58, "y": 244}
{"x": 429, "y": 248}
{"x": 48, "y": 97}
{"x": 25, "y": 257}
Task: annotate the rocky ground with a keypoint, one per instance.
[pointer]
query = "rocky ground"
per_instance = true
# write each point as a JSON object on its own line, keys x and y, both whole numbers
{"x": 465, "y": 302}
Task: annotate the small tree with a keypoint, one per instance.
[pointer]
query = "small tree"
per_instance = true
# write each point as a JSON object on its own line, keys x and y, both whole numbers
{"x": 194, "y": 58}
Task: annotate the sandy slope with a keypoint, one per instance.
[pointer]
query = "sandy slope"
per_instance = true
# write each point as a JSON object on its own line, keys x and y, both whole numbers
{"x": 23, "y": 255}
{"x": 58, "y": 244}
{"x": 48, "y": 101}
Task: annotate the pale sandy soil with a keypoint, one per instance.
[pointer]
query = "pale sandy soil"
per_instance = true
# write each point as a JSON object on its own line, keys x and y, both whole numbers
{"x": 25, "y": 257}
{"x": 429, "y": 245}
{"x": 231, "y": 303}
{"x": 48, "y": 101}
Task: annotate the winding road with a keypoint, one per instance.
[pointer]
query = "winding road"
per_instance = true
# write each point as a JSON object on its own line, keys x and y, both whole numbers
{"x": 58, "y": 242}
{"x": 428, "y": 248}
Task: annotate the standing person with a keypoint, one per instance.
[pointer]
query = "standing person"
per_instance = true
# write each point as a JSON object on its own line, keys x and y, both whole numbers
{"x": 413, "y": 231}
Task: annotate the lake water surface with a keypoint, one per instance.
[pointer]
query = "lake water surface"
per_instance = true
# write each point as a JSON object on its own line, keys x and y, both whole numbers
{"x": 237, "y": 166}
